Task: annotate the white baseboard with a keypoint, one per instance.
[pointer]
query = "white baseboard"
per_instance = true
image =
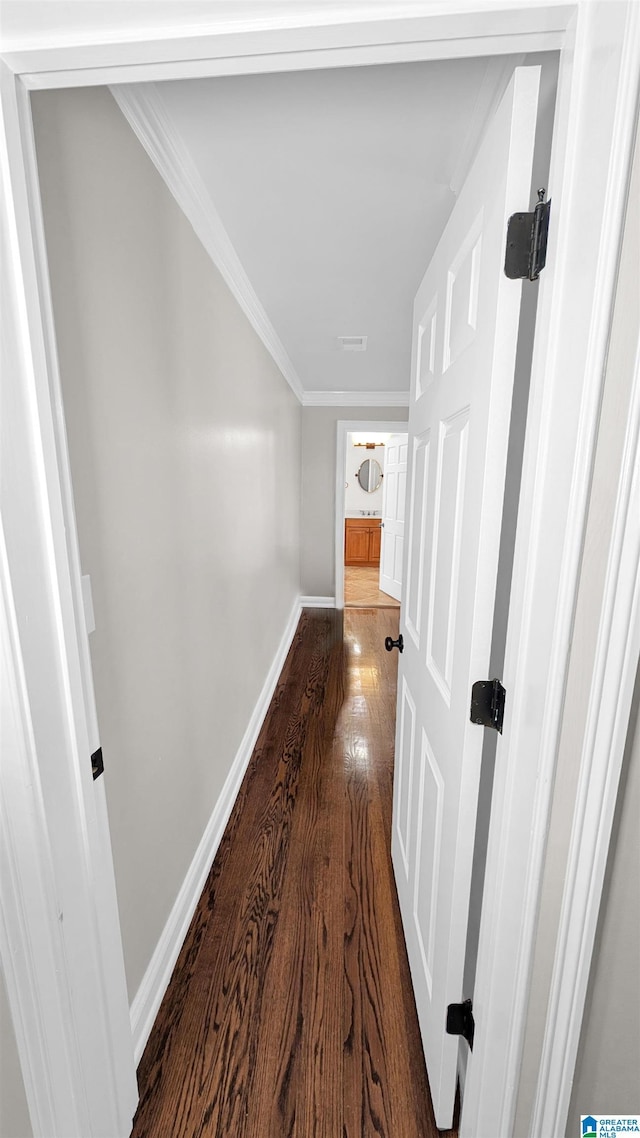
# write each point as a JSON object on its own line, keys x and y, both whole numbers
{"x": 317, "y": 602}
{"x": 148, "y": 998}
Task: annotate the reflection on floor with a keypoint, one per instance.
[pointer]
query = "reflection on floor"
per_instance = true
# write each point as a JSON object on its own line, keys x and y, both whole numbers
{"x": 361, "y": 589}
{"x": 290, "y": 1009}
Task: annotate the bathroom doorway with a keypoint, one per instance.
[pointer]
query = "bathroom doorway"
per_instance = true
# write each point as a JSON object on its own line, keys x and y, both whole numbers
{"x": 361, "y": 501}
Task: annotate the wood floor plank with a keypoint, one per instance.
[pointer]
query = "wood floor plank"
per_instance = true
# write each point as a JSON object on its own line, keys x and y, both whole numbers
{"x": 290, "y": 1012}
{"x": 298, "y": 1064}
{"x": 185, "y": 1028}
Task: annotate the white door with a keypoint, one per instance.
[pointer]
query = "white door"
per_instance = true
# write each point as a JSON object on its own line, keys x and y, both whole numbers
{"x": 464, "y": 346}
{"x": 393, "y": 499}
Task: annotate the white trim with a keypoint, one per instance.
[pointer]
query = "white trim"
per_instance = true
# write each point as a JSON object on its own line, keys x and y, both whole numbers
{"x": 148, "y": 998}
{"x": 206, "y": 65}
{"x": 307, "y": 36}
{"x": 84, "y": 1013}
{"x": 355, "y": 399}
{"x": 345, "y": 427}
{"x": 109, "y": 953}
{"x": 600, "y": 765}
{"x": 318, "y": 602}
{"x": 146, "y": 113}
{"x": 32, "y": 959}
{"x": 551, "y": 517}
{"x": 568, "y": 369}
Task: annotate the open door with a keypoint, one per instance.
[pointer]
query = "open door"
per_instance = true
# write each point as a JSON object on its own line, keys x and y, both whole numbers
{"x": 465, "y": 331}
{"x": 393, "y": 506}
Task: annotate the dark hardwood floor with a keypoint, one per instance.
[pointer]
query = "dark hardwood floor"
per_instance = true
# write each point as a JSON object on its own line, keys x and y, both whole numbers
{"x": 290, "y": 1011}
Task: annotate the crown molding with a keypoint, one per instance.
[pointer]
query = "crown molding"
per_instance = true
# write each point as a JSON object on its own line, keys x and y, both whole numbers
{"x": 355, "y": 399}
{"x": 145, "y": 111}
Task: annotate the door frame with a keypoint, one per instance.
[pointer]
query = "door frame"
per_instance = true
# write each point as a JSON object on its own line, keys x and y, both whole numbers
{"x": 597, "y": 101}
{"x": 346, "y": 427}
{"x": 387, "y": 513}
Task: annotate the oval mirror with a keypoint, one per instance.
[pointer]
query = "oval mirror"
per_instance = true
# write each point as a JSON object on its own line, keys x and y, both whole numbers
{"x": 370, "y": 475}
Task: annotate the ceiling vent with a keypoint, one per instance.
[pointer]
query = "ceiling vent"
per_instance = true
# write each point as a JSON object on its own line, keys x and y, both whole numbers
{"x": 353, "y": 343}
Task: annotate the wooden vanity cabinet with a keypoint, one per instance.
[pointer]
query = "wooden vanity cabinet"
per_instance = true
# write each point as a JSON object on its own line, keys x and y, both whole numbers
{"x": 362, "y": 541}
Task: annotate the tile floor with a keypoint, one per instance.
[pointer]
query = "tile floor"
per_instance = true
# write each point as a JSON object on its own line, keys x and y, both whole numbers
{"x": 361, "y": 589}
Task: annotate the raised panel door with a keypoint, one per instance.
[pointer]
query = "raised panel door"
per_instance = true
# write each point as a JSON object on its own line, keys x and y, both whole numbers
{"x": 465, "y": 331}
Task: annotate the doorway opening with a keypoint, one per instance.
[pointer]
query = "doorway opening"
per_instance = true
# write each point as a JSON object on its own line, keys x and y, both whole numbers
{"x": 375, "y": 491}
{"x": 534, "y": 542}
{"x": 360, "y": 501}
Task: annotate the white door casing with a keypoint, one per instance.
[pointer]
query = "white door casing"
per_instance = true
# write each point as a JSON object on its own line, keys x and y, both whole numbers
{"x": 393, "y": 513}
{"x": 466, "y": 318}
{"x": 345, "y": 427}
{"x": 599, "y": 46}
{"x": 86, "y": 1013}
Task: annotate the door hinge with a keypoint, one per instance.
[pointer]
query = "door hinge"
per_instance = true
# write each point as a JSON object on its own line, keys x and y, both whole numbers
{"x": 97, "y": 763}
{"x": 526, "y": 251}
{"x": 487, "y": 704}
{"x": 460, "y": 1021}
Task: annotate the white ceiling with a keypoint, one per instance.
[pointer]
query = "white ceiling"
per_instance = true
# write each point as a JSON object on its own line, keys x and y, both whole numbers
{"x": 333, "y": 187}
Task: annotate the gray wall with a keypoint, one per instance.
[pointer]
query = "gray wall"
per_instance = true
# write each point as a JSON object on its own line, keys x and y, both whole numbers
{"x": 318, "y": 508}
{"x": 608, "y": 1065}
{"x": 185, "y": 452}
{"x": 613, "y": 419}
{"x": 14, "y": 1114}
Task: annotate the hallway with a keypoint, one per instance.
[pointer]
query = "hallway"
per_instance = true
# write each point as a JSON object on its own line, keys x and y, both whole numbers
{"x": 290, "y": 1010}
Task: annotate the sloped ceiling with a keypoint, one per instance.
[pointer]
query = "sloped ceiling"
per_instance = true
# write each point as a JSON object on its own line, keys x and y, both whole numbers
{"x": 333, "y": 188}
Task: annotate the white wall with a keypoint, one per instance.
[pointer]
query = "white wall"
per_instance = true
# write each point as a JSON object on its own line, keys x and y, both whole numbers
{"x": 185, "y": 452}
{"x": 318, "y": 506}
{"x": 355, "y": 498}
